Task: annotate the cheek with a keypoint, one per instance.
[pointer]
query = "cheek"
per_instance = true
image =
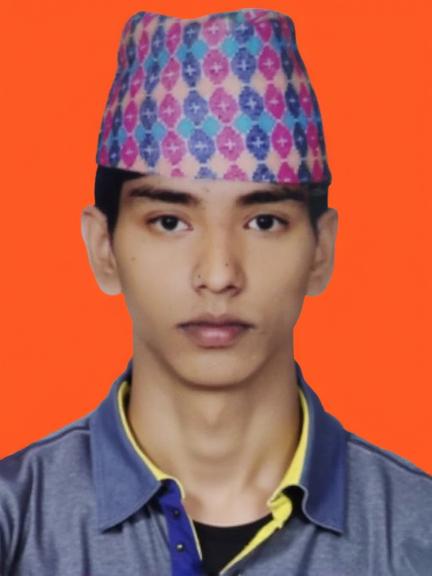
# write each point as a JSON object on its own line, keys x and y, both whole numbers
{"x": 151, "y": 281}
{"x": 282, "y": 283}
{"x": 286, "y": 270}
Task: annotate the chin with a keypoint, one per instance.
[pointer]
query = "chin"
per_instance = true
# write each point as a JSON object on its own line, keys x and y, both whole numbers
{"x": 215, "y": 369}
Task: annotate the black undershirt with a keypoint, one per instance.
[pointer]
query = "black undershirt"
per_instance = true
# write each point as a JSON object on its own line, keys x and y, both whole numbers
{"x": 219, "y": 544}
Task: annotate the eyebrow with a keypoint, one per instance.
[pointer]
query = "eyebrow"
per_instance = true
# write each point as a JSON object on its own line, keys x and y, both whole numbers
{"x": 186, "y": 199}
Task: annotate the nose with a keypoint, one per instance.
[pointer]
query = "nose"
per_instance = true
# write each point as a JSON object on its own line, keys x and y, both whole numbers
{"x": 218, "y": 267}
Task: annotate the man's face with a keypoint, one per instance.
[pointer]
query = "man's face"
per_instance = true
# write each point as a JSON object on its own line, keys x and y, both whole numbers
{"x": 211, "y": 253}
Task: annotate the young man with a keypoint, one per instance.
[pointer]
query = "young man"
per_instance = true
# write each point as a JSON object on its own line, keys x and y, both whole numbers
{"x": 211, "y": 454}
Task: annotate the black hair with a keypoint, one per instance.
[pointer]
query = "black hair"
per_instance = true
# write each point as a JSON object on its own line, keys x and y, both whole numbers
{"x": 109, "y": 182}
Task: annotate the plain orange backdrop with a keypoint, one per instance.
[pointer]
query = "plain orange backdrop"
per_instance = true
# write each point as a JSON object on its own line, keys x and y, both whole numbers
{"x": 364, "y": 345}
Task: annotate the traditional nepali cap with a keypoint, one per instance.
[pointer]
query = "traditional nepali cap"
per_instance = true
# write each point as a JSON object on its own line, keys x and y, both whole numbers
{"x": 223, "y": 96}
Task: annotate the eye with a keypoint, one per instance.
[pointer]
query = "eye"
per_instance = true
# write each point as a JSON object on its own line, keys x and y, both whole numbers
{"x": 169, "y": 222}
{"x": 265, "y": 221}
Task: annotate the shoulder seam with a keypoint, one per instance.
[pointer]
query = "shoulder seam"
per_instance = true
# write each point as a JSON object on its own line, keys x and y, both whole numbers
{"x": 384, "y": 454}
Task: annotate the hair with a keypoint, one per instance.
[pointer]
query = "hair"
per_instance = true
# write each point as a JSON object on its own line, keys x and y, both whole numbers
{"x": 109, "y": 182}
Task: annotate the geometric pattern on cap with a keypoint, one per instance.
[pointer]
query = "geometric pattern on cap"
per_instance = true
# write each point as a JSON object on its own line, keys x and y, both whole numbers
{"x": 223, "y": 96}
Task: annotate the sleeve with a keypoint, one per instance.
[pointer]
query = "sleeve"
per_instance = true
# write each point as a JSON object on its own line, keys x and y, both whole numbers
{"x": 14, "y": 500}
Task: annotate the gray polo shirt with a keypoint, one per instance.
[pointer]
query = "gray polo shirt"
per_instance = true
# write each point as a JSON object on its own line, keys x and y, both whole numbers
{"x": 81, "y": 502}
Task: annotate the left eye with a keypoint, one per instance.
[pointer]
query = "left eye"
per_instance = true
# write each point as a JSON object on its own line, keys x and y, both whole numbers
{"x": 265, "y": 221}
{"x": 169, "y": 222}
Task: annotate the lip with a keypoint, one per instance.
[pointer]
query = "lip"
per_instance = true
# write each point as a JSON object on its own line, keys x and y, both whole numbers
{"x": 222, "y": 320}
{"x": 214, "y": 335}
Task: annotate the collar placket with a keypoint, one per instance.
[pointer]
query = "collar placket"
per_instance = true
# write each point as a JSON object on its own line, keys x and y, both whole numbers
{"x": 183, "y": 542}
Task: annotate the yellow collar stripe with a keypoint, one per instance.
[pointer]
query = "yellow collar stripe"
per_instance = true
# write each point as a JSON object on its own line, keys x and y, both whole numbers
{"x": 121, "y": 401}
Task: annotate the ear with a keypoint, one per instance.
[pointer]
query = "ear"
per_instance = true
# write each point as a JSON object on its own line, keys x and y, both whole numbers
{"x": 322, "y": 267}
{"x": 94, "y": 230}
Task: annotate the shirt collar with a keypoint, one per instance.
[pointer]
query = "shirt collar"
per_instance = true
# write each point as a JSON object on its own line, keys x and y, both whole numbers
{"x": 324, "y": 476}
{"x": 124, "y": 484}
{"x": 291, "y": 476}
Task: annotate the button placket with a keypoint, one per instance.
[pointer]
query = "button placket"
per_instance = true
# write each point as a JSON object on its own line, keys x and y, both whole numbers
{"x": 176, "y": 512}
{"x": 185, "y": 558}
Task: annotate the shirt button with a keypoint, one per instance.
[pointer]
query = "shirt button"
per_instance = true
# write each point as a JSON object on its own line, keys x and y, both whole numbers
{"x": 176, "y": 512}
{"x": 180, "y": 547}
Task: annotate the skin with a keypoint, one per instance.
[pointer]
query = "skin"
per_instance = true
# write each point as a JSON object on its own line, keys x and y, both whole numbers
{"x": 224, "y": 421}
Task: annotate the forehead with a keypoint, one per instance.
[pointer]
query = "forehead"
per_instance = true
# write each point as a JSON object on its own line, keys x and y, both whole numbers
{"x": 200, "y": 192}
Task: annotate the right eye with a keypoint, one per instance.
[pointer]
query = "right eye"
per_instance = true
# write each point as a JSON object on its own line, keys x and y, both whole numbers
{"x": 168, "y": 222}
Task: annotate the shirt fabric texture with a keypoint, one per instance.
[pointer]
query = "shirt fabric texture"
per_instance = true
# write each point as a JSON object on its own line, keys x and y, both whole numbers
{"x": 84, "y": 502}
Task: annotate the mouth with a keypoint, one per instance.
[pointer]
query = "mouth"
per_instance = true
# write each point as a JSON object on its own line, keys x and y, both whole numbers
{"x": 214, "y": 335}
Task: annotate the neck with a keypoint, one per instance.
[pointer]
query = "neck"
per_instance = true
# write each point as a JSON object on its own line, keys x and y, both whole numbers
{"x": 234, "y": 442}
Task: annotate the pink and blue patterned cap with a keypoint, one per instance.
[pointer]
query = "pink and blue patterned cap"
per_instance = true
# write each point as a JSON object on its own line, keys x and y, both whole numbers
{"x": 224, "y": 96}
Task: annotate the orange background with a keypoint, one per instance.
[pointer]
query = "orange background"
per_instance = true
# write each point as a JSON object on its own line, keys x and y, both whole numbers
{"x": 364, "y": 345}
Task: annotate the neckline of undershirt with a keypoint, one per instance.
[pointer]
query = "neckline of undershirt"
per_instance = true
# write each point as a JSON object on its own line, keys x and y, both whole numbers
{"x": 232, "y": 531}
